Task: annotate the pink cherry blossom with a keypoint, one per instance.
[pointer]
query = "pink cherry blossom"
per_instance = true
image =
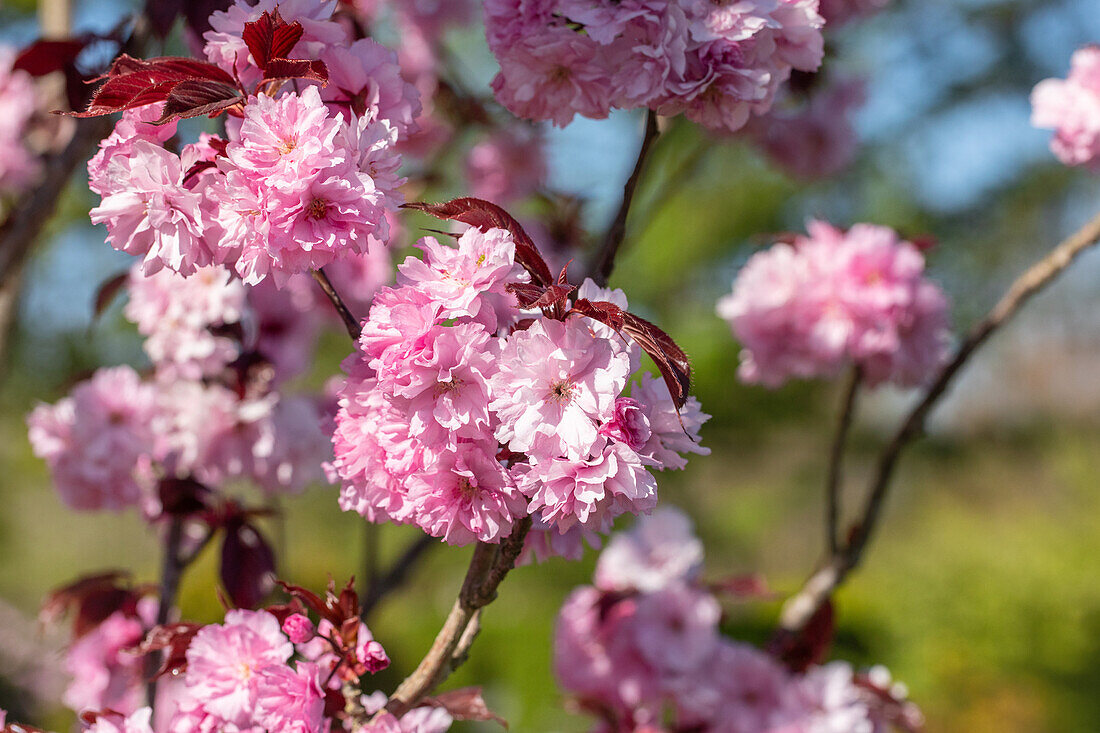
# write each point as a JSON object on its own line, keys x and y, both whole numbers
{"x": 1071, "y": 107}
{"x": 178, "y": 316}
{"x": 224, "y": 663}
{"x": 556, "y": 384}
{"x": 565, "y": 492}
{"x": 103, "y": 674}
{"x": 466, "y": 496}
{"x": 153, "y": 215}
{"x": 507, "y": 166}
{"x": 457, "y": 278}
{"x": 18, "y": 102}
{"x": 676, "y": 628}
{"x": 817, "y": 140}
{"x": 98, "y": 441}
{"x": 298, "y": 628}
{"x": 672, "y": 433}
{"x": 629, "y": 424}
{"x": 365, "y": 79}
{"x": 114, "y": 722}
{"x": 107, "y": 170}
{"x": 290, "y": 700}
{"x": 835, "y": 298}
{"x": 659, "y": 550}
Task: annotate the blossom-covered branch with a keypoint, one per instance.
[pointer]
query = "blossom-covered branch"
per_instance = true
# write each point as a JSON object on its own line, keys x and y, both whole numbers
{"x": 801, "y": 607}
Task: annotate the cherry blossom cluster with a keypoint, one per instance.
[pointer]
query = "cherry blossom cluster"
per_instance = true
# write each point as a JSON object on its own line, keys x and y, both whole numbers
{"x": 275, "y": 669}
{"x": 18, "y": 102}
{"x": 815, "y": 138}
{"x": 838, "y": 12}
{"x": 1071, "y": 107}
{"x": 716, "y": 63}
{"x": 642, "y": 650}
{"x": 463, "y": 414}
{"x": 813, "y": 306}
{"x": 306, "y": 174}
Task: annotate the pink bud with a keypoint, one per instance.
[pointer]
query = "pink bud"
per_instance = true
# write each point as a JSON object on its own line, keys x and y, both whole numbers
{"x": 373, "y": 657}
{"x": 299, "y": 628}
{"x": 629, "y": 424}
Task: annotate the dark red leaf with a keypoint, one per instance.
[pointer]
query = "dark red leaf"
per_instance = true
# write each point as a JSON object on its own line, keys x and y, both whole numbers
{"x": 91, "y": 600}
{"x": 270, "y": 37}
{"x": 279, "y": 69}
{"x": 466, "y": 703}
{"x": 247, "y": 565}
{"x": 606, "y": 313}
{"x": 526, "y": 293}
{"x": 485, "y": 215}
{"x": 182, "y": 497}
{"x": 45, "y": 57}
{"x": 198, "y": 97}
{"x": 134, "y": 82}
{"x": 107, "y": 292}
{"x": 670, "y": 359}
{"x": 175, "y": 638}
{"x": 798, "y": 651}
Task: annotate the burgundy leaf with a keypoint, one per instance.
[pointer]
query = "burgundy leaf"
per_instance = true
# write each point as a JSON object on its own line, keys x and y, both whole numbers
{"x": 194, "y": 98}
{"x": 45, "y": 57}
{"x": 466, "y": 703}
{"x": 107, "y": 292}
{"x": 606, "y": 313}
{"x": 280, "y": 69}
{"x": 800, "y": 650}
{"x": 182, "y": 497}
{"x": 526, "y": 293}
{"x": 175, "y": 638}
{"x": 91, "y": 600}
{"x": 270, "y": 37}
{"x": 554, "y": 295}
{"x": 485, "y": 216}
{"x": 247, "y": 565}
{"x": 134, "y": 82}
{"x": 670, "y": 359}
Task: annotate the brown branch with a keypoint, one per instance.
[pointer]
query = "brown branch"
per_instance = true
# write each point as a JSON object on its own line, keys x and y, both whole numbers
{"x": 171, "y": 570}
{"x": 350, "y": 321}
{"x": 820, "y": 586}
{"x": 397, "y": 574}
{"x": 836, "y": 461}
{"x": 488, "y": 568}
{"x": 605, "y": 261}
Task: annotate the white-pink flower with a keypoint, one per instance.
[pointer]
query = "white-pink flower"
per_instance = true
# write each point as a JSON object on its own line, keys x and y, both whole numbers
{"x": 225, "y": 661}
{"x": 1071, "y": 107}
{"x": 98, "y": 442}
{"x": 659, "y": 550}
{"x": 290, "y": 700}
{"x": 557, "y": 383}
{"x": 136, "y": 722}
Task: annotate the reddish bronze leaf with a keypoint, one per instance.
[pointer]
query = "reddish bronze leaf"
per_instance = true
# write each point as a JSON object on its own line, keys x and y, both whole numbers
{"x": 798, "y": 651}
{"x": 107, "y": 292}
{"x": 133, "y": 83}
{"x": 670, "y": 359}
{"x": 247, "y": 565}
{"x": 194, "y": 98}
{"x": 175, "y": 638}
{"x": 91, "y": 600}
{"x": 45, "y": 57}
{"x": 281, "y": 69}
{"x": 270, "y": 37}
{"x": 485, "y": 215}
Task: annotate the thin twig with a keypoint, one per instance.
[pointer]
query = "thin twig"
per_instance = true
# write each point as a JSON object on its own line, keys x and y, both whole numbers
{"x": 488, "y": 568}
{"x": 836, "y": 461}
{"x": 605, "y": 261}
{"x": 350, "y": 321}
{"x": 800, "y": 608}
{"x": 398, "y": 573}
{"x": 170, "y": 571}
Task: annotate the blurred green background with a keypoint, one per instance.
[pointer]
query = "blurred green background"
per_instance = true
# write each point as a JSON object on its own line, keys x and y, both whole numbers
{"x": 982, "y": 589}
